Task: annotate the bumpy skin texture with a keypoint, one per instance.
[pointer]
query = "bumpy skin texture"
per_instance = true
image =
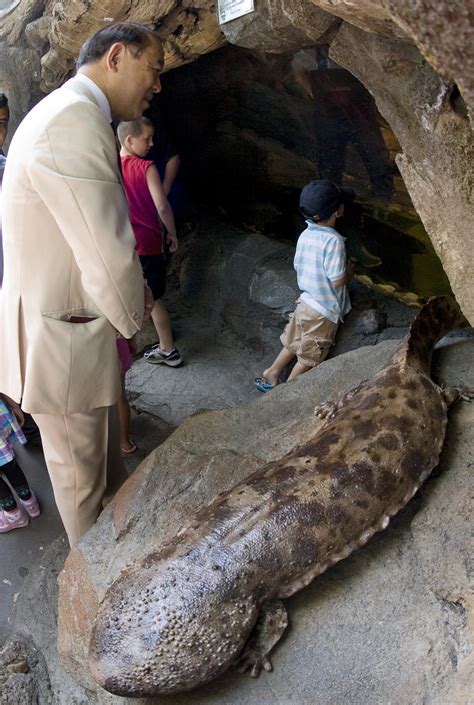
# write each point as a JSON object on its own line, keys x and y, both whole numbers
{"x": 181, "y": 616}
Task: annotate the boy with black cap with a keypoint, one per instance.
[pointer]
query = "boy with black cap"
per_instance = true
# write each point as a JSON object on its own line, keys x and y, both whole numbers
{"x": 322, "y": 274}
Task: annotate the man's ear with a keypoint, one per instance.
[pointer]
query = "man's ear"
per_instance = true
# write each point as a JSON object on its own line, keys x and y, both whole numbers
{"x": 340, "y": 211}
{"x": 114, "y": 56}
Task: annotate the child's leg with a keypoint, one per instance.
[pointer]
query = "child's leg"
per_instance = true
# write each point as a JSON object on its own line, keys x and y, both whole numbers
{"x": 17, "y": 479}
{"x": 7, "y": 500}
{"x": 154, "y": 268}
{"x": 162, "y": 323}
{"x": 317, "y": 336}
{"x": 123, "y": 409}
{"x": 272, "y": 373}
{"x": 11, "y": 515}
{"x": 289, "y": 338}
{"x": 298, "y": 369}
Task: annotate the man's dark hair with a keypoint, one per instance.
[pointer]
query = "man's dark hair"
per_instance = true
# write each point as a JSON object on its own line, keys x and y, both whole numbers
{"x": 4, "y": 102}
{"x": 131, "y": 34}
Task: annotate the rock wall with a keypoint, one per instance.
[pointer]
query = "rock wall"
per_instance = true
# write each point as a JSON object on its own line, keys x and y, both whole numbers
{"x": 437, "y": 144}
{"x": 416, "y": 58}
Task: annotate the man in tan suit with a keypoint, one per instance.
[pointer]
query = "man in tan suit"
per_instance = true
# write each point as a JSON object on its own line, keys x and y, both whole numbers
{"x": 72, "y": 277}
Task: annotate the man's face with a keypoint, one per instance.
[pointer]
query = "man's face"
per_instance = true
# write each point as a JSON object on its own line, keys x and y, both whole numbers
{"x": 138, "y": 79}
{"x": 4, "y": 116}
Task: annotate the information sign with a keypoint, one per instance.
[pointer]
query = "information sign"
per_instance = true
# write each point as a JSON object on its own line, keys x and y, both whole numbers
{"x": 231, "y": 9}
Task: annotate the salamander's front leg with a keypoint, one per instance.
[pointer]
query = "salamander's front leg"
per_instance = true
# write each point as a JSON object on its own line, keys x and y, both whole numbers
{"x": 453, "y": 394}
{"x": 270, "y": 625}
{"x": 327, "y": 409}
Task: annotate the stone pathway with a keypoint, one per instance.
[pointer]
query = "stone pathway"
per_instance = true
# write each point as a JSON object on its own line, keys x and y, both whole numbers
{"x": 216, "y": 373}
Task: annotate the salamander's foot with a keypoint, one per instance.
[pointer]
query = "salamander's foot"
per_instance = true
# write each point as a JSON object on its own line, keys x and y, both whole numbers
{"x": 453, "y": 394}
{"x": 271, "y": 624}
{"x": 326, "y": 409}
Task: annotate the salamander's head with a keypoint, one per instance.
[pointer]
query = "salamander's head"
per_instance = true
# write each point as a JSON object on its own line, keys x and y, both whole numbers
{"x": 164, "y": 633}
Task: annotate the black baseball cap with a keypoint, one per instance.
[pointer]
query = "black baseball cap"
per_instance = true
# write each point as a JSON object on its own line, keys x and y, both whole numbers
{"x": 320, "y": 198}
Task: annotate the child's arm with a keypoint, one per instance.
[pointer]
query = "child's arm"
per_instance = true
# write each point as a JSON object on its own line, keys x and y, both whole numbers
{"x": 171, "y": 172}
{"x": 335, "y": 264}
{"x": 348, "y": 277}
{"x": 157, "y": 193}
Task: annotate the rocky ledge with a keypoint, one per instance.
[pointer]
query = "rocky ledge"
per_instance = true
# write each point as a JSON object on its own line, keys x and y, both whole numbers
{"x": 392, "y": 623}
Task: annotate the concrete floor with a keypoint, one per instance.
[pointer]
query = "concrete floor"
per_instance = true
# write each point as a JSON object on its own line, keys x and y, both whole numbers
{"x": 21, "y": 550}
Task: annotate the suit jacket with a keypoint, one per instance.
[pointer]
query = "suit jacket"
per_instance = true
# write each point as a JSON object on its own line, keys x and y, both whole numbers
{"x": 68, "y": 253}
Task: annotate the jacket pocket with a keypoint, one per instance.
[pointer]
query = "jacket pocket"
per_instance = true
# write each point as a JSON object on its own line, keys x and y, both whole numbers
{"x": 75, "y": 364}
{"x": 75, "y": 315}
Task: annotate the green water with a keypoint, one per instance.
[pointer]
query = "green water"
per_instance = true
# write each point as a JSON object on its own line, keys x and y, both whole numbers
{"x": 393, "y": 253}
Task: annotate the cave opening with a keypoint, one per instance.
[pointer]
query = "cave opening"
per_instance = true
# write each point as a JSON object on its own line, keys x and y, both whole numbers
{"x": 252, "y": 128}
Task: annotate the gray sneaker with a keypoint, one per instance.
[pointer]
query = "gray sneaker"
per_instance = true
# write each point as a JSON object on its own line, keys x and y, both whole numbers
{"x": 156, "y": 357}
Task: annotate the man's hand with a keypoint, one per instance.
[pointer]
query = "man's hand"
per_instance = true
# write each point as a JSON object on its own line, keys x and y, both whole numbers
{"x": 172, "y": 242}
{"x": 149, "y": 303}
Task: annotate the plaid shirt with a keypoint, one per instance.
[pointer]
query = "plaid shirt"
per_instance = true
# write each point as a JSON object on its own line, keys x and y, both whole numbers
{"x": 10, "y": 433}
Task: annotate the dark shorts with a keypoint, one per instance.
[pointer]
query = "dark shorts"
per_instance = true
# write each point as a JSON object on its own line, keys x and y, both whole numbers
{"x": 154, "y": 270}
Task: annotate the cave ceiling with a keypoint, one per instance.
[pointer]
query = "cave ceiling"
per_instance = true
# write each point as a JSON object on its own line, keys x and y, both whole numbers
{"x": 56, "y": 29}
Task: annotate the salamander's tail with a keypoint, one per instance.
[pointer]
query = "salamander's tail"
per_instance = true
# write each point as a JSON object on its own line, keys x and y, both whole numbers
{"x": 438, "y": 317}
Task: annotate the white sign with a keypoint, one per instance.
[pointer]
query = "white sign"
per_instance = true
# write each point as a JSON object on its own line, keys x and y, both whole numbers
{"x": 230, "y": 9}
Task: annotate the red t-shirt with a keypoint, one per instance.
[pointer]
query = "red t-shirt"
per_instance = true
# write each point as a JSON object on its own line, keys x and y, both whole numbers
{"x": 143, "y": 216}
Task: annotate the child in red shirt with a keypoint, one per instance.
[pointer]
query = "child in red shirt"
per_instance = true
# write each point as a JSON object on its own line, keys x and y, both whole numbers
{"x": 149, "y": 208}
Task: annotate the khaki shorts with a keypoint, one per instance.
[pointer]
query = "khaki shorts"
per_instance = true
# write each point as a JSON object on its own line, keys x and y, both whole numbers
{"x": 308, "y": 335}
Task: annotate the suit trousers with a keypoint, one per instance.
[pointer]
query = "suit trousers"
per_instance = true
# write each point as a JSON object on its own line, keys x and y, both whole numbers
{"x": 82, "y": 455}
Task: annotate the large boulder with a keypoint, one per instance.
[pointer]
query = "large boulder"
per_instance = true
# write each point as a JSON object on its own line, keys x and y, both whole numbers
{"x": 404, "y": 597}
{"x": 188, "y": 30}
{"x": 280, "y": 26}
{"x": 442, "y": 31}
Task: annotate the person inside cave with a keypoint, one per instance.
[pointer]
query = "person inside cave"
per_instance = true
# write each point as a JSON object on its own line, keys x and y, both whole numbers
{"x": 345, "y": 114}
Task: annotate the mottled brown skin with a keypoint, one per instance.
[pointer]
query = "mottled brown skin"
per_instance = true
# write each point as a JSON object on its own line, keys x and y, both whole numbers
{"x": 181, "y": 616}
